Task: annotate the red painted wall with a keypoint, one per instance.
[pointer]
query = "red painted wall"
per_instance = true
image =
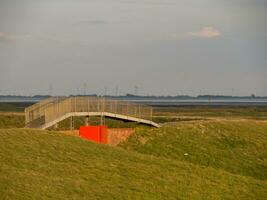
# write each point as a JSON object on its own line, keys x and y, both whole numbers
{"x": 98, "y": 134}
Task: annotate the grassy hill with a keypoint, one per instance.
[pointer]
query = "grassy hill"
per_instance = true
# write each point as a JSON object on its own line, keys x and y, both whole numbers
{"x": 204, "y": 153}
{"x": 50, "y": 165}
{"x": 236, "y": 146}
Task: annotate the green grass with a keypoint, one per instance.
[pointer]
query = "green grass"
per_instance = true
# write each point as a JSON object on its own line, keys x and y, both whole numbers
{"x": 257, "y": 112}
{"x": 11, "y": 121}
{"x": 49, "y": 165}
{"x": 199, "y": 153}
{"x": 17, "y": 120}
{"x": 238, "y": 147}
{"x": 14, "y": 106}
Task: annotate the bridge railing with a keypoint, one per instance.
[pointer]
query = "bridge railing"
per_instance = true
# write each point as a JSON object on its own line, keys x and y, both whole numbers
{"x": 57, "y": 110}
{"x": 52, "y": 109}
{"x": 37, "y": 110}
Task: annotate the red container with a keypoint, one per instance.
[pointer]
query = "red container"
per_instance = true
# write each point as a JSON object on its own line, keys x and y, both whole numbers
{"x": 98, "y": 134}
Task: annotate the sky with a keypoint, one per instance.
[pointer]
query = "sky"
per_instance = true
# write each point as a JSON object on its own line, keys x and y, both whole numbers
{"x": 149, "y": 47}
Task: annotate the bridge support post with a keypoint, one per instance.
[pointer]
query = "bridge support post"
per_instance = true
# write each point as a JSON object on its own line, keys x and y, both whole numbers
{"x": 86, "y": 121}
{"x": 102, "y": 119}
{"x": 71, "y": 123}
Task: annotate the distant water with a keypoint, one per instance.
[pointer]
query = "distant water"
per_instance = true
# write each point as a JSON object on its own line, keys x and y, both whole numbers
{"x": 18, "y": 100}
{"x": 171, "y": 102}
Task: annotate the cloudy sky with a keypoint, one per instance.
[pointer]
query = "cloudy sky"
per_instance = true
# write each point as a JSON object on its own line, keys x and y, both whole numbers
{"x": 165, "y": 47}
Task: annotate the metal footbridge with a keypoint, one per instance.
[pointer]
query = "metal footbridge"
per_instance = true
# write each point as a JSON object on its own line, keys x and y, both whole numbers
{"x": 51, "y": 111}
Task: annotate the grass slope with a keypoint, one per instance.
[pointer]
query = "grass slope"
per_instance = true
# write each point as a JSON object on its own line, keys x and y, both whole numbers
{"x": 236, "y": 146}
{"x": 49, "y": 165}
{"x": 11, "y": 120}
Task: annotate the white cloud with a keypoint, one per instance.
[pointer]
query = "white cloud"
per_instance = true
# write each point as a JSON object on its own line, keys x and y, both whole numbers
{"x": 206, "y": 32}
